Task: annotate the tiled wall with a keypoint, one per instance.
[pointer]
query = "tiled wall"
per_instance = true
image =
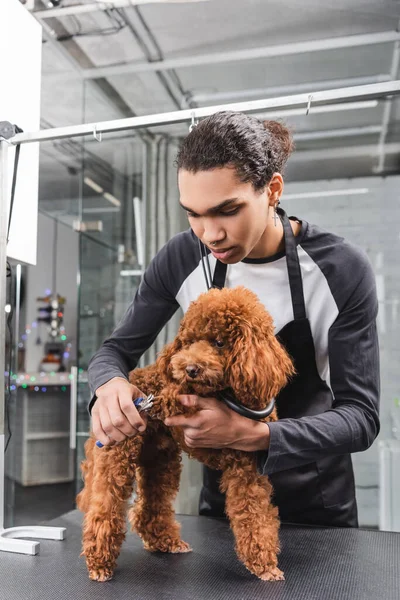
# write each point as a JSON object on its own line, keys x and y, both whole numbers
{"x": 372, "y": 221}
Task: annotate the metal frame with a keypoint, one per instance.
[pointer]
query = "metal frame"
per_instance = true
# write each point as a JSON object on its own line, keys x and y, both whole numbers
{"x": 9, "y": 541}
{"x": 306, "y": 101}
{"x": 322, "y": 98}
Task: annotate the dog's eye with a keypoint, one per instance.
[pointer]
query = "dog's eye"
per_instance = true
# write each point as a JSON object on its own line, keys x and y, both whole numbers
{"x": 218, "y": 343}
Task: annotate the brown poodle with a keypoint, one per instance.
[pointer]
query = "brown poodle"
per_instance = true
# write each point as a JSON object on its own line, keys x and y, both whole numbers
{"x": 225, "y": 340}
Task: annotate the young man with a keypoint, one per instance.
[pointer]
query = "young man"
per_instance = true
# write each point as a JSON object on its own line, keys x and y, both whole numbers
{"x": 320, "y": 291}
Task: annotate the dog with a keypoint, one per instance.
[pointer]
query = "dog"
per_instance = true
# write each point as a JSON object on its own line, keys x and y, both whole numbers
{"x": 225, "y": 340}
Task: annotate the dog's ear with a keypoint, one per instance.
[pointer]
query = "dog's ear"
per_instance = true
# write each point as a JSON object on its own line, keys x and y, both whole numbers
{"x": 259, "y": 366}
{"x": 164, "y": 358}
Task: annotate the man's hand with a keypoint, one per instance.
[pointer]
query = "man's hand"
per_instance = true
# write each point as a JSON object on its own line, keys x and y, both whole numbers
{"x": 114, "y": 415}
{"x": 217, "y": 426}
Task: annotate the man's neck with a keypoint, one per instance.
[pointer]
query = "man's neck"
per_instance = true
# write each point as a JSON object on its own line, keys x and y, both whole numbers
{"x": 272, "y": 241}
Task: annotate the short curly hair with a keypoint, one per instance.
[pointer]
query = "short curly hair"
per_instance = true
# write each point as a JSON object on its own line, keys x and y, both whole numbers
{"x": 255, "y": 149}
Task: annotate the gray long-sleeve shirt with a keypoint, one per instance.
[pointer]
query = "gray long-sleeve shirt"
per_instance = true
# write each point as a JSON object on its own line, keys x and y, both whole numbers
{"x": 341, "y": 305}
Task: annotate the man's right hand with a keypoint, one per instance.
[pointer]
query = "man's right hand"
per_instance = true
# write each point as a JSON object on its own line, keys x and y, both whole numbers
{"x": 114, "y": 415}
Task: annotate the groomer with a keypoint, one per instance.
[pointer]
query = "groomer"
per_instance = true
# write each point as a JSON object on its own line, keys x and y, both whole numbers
{"x": 320, "y": 291}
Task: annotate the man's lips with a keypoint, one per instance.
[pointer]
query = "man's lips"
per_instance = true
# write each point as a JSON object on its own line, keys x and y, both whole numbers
{"x": 223, "y": 253}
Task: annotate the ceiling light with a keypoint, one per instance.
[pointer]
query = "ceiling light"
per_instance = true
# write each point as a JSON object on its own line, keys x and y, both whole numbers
{"x": 112, "y": 199}
{"x": 131, "y": 273}
{"x": 100, "y": 209}
{"x": 95, "y": 186}
{"x": 327, "y": 193}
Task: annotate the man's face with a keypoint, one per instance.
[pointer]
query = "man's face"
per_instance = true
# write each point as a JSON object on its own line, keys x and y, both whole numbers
{"x": 224, "y": 210}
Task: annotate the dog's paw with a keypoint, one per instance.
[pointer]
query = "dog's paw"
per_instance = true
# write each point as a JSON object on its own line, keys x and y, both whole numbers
{"x": 180, "y": 547}
{"x": 100, "y": 574}
{"x": 173, "y": 547}
{"x": 272, "y": 574}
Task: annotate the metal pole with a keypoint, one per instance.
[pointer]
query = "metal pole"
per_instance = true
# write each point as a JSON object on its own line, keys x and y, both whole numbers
{"x": 18, "y": 271}
{"x": 322, "y": 98}
{"x": 3, "y": 284}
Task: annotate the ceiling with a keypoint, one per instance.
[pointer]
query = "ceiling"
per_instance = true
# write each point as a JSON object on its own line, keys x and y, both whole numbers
{"x": 98, "y": 66}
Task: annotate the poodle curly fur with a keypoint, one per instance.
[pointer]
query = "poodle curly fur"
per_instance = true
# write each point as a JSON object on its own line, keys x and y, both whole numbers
{"x": 255, "y": 366}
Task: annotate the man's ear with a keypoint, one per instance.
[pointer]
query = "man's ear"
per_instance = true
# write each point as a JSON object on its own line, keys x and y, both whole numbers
{"x": 275, "y": 188}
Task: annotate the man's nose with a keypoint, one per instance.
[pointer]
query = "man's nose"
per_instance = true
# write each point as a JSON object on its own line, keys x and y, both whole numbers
{"x": 212, "y": 234}
{"x": 192, "y": 371}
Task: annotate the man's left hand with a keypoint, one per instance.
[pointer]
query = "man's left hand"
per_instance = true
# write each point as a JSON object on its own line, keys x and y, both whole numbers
{"x": 217, "y": 426}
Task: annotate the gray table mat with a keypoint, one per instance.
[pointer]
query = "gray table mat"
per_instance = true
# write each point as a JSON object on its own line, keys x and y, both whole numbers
{"x": 319, "y": 564}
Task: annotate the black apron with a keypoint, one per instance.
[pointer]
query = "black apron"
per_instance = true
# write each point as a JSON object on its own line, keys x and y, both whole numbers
{"x": 318, "y": 493}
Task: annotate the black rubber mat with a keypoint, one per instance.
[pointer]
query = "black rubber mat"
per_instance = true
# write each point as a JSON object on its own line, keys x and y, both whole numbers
{"x": 319, "y": 564}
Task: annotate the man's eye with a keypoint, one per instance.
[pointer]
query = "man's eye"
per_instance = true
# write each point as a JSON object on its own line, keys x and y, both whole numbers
{"x": 218, "y": 343}
{"x": 230, "y": 213}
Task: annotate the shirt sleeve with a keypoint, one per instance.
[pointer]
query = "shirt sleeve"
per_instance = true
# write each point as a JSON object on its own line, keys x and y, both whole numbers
{"x": 352, "y": 423}
{"x": 152, "y": 307}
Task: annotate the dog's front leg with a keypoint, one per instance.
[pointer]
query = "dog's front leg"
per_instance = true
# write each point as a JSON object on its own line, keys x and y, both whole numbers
{"x": 254, "y": 521}
{"x": 157, "y": 483}
{"x": 111, "y": 477}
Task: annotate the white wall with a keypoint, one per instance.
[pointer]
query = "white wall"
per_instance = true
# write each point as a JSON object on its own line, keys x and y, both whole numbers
{"x": 20, "y": 105}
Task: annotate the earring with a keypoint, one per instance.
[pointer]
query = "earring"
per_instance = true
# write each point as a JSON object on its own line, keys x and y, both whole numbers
{"x": 275, "y": 213}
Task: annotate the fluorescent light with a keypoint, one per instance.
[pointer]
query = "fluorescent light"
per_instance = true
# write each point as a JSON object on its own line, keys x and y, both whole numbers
{"x": 99, "y": 209}
{"x": 111, "y": 199}
{"x": 326, "y": 193}
{"x": 294, "y": 112}
{"x": 95, "y": 186}
{"x": 131, "y": 272}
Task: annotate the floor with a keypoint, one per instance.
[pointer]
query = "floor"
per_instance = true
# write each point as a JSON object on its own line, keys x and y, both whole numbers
{"x": 34, "y": 505}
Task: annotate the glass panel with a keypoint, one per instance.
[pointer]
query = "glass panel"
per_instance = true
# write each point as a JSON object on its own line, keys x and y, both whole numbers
{"x": 111, "y": 253}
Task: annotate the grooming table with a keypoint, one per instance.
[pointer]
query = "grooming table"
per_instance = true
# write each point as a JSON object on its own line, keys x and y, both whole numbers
{"x": 319, "y": 564}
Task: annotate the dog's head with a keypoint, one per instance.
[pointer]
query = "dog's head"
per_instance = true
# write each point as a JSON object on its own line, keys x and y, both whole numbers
{"x": 226, "y": 340}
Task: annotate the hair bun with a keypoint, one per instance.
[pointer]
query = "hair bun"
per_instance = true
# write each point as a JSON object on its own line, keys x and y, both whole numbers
{"x": 282, "y": 135}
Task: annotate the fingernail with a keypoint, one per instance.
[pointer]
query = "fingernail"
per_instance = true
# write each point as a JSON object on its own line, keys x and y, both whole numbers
{"x": 142, "y": 428}
{"x": 99, "y": 444}
{"x": 166, "y": 422}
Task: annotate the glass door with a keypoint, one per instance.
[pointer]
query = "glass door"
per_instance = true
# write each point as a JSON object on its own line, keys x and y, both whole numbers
{"x": 111, "y": 256}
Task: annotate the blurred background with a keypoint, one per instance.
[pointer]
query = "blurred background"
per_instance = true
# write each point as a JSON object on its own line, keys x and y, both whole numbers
{"x": 106, "y": 207}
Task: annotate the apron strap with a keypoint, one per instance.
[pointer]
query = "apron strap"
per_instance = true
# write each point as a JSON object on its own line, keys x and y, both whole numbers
{"x": 293, "y": 267}
{"x": 219, "y": 275}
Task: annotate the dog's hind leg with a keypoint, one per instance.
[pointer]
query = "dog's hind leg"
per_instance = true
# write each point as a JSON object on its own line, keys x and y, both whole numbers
{"x": 112, "y": 477}
{"x": 157, "y": 482}
{"x": 253, "y": 519}
{"x": 83, "y": 498}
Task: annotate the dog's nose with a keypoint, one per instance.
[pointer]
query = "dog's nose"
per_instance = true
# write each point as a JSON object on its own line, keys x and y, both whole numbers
{"x": 192, "y": 371}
